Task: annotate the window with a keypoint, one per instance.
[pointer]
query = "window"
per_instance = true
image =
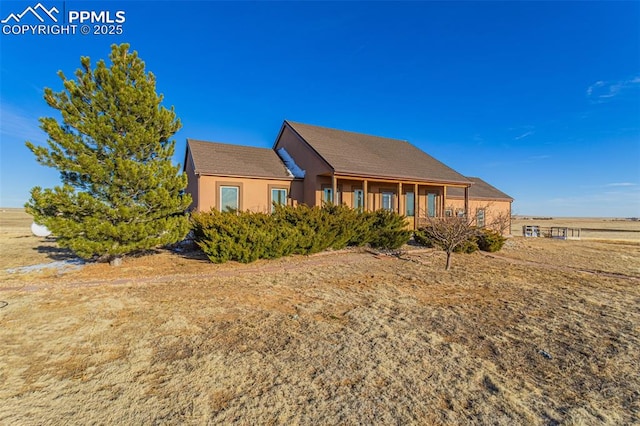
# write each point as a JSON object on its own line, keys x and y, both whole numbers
{"x": 410, "y": 204}
{"x": 387, "y": 201}
{"x": 431, "y": 205}
{"x": 279, "y": 197}
{"x": 480, "y": 218}
{"x": 229, "y": 198}
{"x": 460, "y": 212}
{"x": 328, "y": 195}
{"x": 448, "y": 212}
{"x": 358, "y": 199}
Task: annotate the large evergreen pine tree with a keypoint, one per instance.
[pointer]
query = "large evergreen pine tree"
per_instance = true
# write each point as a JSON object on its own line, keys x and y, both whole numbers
{"x": 120, "y": 192}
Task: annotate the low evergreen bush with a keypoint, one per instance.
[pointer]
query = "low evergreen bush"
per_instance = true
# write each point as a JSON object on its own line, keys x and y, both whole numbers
{"x": 388, "y": 230}
{"x": 246, "y": 236}
{"x": 485, "y": 240}
{"x": 469, "y": 246}
{"x": 490, "y": 240}
{"x": 421, "y": 237}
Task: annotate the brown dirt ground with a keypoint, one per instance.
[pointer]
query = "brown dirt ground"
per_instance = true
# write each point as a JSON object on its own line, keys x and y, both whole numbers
{"x": 543, "y": 332}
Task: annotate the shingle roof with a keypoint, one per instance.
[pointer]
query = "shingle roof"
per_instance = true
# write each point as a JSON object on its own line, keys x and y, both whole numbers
{"x": 366, "y": 155}
{"x": 214, "y": 158}
{"x": 479, "y": 190}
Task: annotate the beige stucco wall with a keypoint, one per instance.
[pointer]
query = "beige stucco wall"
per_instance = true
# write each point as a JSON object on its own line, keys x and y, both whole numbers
{"x": 192, "y": 183}
{"x": 308, "y": 160}
{"x": 255, "y": 194}
{"x": 493, "y": 208}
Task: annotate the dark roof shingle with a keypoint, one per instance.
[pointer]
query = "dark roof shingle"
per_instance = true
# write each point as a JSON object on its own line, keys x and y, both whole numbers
{"x": 214, "y": 158}
{"x": 479, "y": 190}
{"x": 366, "y": 155}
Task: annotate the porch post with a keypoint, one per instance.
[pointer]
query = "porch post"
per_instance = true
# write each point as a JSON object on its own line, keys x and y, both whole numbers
{"x": 444, "y": 201}
{"x": 399, "y": 197}
{"x": 466, "y": 201}
{"x": 334, "y": 188}
{"x": 365, "y": 195}
{"x": 416, "y": 205}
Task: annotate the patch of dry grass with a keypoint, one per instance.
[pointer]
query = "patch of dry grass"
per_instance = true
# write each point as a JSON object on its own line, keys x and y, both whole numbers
{"x": 343, "y": 338}
{"x": 18, "y": 247}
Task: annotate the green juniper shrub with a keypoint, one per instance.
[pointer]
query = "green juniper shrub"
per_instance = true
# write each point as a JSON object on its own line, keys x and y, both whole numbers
{"x": 247, "y": 236}
{"x": 342, "y": 223}
{"x": 490, "y": 240}
{"x": 313, "y": 225}
{"x": 212, "y": 236}
{"x": 469, "y": 246}
{"x": 421, "y": 237}
{"x": 362, "y": 231}
{"x": 388, "y": 230}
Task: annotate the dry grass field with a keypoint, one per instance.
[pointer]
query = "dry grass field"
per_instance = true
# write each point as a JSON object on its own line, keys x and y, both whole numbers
{"x": 591, "y": 228}
{"x": 543, "y": 332}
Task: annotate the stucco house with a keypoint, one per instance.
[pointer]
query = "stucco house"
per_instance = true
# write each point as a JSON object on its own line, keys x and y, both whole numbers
{"x": 312, "y": 164}
{"x": 486, "y": 202}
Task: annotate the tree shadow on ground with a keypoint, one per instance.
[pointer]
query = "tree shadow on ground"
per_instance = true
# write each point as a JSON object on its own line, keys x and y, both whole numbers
{"x": 193, "y": 254}
{"x": 188, "y": 249}
{"x": 56, "y": 253}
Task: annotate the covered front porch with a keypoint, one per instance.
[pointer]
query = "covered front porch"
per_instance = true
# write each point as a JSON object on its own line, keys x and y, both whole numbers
{"x": 417, "y": 200}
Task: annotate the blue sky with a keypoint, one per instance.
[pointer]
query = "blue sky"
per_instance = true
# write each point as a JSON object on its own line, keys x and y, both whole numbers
{"x": 540, "y": 99}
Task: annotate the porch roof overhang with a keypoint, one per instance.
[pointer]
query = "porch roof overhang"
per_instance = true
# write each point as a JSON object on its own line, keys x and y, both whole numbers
{"x": 471, "y": 197}
{"x": 402, "y": 179}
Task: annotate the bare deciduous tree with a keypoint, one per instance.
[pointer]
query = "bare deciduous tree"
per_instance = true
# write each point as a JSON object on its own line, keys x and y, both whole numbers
{"x": 501, "y": 223}
{"x": 450, "y": 232}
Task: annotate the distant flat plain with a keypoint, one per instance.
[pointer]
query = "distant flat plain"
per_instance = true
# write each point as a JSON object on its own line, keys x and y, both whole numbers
{"x": 543, "y": 332}
{"x": 591, "y": 228}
